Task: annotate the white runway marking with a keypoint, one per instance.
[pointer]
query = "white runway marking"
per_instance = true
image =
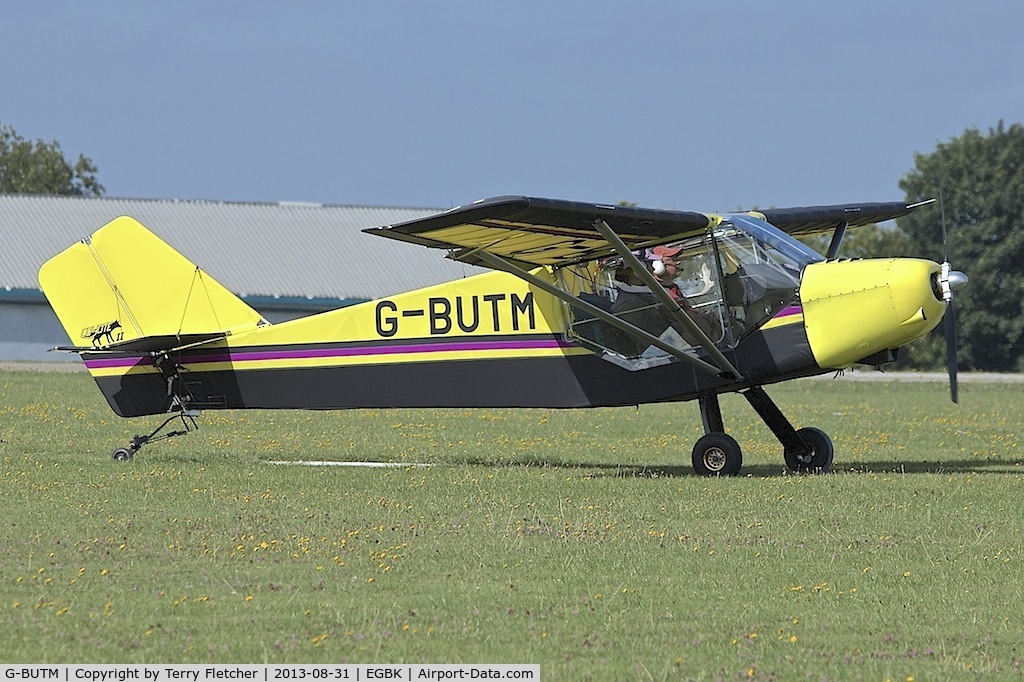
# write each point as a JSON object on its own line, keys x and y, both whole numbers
{"x": 332, "y": 463}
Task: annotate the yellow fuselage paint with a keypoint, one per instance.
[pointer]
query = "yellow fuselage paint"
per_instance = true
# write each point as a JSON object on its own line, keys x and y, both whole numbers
{"x": 434, "y": 324}
{"x": 853, "y": 309}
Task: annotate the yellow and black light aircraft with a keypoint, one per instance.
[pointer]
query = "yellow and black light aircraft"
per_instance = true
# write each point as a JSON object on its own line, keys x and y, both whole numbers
{"x": 587, "y": 305}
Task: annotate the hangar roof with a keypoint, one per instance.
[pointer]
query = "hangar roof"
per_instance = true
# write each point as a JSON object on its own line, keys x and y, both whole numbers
{"x": 287, "y": 250}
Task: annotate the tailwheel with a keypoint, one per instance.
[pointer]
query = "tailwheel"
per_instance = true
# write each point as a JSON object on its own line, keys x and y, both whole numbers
{"x": 123, "y": 454}
{"x": 717, "y": 454}
{"x": 816, "y": 457}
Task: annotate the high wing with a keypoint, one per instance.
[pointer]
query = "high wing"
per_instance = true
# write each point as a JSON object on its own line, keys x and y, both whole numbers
{"x": 808, "y": 220}
{"x": 531, "y": 232}
{"x": 517, "y": 234}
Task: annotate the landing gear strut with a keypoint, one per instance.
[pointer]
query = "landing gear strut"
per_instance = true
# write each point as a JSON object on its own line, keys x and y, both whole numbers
{"x": 717, "y": 454}
{"x": 180, "y": 399}
{"x": 188, "y": 422}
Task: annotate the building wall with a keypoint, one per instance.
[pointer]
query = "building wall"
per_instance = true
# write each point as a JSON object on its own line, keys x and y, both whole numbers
{"x": 29, "y": 330}
{"x": 285, "y": 260}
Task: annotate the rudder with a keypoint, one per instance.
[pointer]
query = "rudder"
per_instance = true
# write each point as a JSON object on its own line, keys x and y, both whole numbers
{"x": 127, "y": 301}
{"x": 124, "y": 284}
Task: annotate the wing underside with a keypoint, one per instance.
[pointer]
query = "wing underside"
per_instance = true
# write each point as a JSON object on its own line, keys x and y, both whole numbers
{"x": 532, "y": 232}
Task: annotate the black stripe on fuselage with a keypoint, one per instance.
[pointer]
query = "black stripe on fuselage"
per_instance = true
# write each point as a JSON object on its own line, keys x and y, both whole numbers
{"x": 557, "y": 382}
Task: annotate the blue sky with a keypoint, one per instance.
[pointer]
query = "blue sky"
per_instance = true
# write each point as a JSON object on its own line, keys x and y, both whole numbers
{"x": 695, "y": 106}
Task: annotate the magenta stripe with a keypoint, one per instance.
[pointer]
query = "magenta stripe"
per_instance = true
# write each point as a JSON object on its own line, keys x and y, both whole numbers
{"x": 789, "y": 310}
{"x": 298, "y": 354}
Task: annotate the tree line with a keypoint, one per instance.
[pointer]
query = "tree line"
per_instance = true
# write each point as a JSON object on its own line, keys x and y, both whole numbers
{"x": 37, "y": 167}
{"x": 977, "y": 180}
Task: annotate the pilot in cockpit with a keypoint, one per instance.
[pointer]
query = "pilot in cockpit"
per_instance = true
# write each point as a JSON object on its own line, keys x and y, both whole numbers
{"x": 664, "y": 263}
{"x": 637, "y": 304}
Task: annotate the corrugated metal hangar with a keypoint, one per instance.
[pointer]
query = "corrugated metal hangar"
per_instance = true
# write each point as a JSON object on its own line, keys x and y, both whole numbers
{"x": 285, "y": 259}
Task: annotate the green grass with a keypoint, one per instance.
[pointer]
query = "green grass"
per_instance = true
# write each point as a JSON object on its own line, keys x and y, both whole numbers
{"x": 574, "y": 539}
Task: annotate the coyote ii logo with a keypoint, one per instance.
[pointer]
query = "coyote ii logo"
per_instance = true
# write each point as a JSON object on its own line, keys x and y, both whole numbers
{"x": 104, "y": 334}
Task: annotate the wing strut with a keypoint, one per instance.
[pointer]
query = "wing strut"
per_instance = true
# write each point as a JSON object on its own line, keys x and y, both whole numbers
{"x": 837, "y": 239}
{"x": 499, "y": 263}
{"x": 666, "y": 300}
{"x": 122, "y": 304}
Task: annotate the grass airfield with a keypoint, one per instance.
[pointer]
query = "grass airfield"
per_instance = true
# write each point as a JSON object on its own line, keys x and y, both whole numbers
{"x": 578, "y": 540}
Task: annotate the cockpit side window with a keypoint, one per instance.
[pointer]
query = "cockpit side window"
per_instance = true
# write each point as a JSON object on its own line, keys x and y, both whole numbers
{"x": 729, "y": 282}
{"x": 759, "y": 279}
{"x": 612, "y": 286}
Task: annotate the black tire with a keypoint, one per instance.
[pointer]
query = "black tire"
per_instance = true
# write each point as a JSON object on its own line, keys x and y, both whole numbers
{"x": 818, "y": 459}
{"x": 123, "y": 454}
{"x": 717, "y": 454}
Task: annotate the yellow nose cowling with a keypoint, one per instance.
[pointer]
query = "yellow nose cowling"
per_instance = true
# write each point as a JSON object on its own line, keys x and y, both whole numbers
{"x": 855, "y": 308}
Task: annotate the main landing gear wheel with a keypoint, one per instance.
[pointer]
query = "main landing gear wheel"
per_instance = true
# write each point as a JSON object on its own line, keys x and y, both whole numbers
{"x": 817, "y": 458}
{"x": 717, "y": 454}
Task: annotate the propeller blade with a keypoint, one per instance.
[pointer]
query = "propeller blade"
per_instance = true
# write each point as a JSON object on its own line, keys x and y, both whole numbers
{"x": 942, "y": 212}
{"x": 951, "y": 363}
{"x": 951, "y": 281}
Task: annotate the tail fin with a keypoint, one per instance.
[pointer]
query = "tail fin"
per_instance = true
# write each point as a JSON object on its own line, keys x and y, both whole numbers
{"x": 125, "y": 289}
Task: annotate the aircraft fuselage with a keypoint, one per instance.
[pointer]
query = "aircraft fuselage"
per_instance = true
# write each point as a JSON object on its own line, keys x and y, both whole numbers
{"x": 493, "y": 341}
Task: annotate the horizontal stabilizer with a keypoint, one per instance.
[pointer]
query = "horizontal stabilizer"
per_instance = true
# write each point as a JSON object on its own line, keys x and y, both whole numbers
{"x": 125, "y": 289}
{"x": 147, "y": 344}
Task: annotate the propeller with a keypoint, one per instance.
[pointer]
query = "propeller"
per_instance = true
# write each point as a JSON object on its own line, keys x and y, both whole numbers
{"x": 950, "y": 281}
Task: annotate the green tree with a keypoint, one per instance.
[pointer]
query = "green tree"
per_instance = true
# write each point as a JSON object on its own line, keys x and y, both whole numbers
{"x": 981, "y": 178}
{"x": 875, "y": 241}
{"x": 869, "y": 241}
{"x": 37, "y": 167}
